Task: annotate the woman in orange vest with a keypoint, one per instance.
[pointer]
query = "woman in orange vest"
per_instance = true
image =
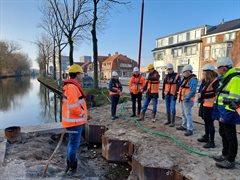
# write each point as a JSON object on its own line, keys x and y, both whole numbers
{"x": 115, "y": 89}
{"x": 74, "y": 114}
{"x": 136, "y": 88}
{"x": 206, "y": 95}
{"x": 151, "y": 87}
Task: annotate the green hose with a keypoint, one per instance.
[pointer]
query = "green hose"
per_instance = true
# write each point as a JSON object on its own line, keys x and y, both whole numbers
{"x": 179, "y": 143}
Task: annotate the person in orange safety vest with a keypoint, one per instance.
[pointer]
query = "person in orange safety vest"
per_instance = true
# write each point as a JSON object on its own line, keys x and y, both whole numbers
{"x": 136, "y": 88}
{"x": 74, "y": 114}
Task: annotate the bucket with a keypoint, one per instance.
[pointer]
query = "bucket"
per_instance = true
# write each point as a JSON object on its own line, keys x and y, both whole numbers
{"x": 12, "y": 133}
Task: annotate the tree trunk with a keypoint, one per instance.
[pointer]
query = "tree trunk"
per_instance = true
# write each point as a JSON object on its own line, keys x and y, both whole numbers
{"x": 60, "y": 62}
{"x": 70, "y": 51}
{"x": 95, "y": 46}
{"x": 54, "y": 61}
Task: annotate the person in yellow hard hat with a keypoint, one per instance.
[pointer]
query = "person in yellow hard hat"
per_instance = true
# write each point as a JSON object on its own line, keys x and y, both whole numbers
{"x": 151, "y": 88}
{"x": 74, "y": 114}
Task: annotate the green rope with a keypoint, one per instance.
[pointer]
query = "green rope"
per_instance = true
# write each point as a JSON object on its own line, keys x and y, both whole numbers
{"x": 123, "y": 111}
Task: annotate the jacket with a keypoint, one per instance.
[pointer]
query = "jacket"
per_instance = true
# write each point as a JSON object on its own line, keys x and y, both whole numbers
{"x": 115, "y": 87}
{"x": 136, "y": 84}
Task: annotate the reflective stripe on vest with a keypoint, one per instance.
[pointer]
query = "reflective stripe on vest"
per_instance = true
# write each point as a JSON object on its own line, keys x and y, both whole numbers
{"x": 137, "y": 86}
{"x": 208, "y": 102}
{"x": 184, "y": 91}
{"x": 153, "y": 86}
{"x": 171, "y": 87}
{"x": 117, "y": 88}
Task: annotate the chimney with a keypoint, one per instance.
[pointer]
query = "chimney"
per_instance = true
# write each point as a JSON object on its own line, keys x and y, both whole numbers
{"x": 109, "y": 54}
{"x": 116, "y": 52}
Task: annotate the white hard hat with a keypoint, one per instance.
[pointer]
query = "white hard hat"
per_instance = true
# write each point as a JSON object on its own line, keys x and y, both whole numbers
{"x": 187, "y": 68}
{"x": 224, "y": 61}
{"x": 135, "y": 69}
{"x": 169, "y": 66}
{"x": 208, "y": 67}
{"x": 114, "y": 73}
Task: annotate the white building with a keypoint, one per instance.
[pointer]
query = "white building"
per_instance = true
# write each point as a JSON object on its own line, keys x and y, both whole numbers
{"x": 84, "y": 59}
{"x": 179, "y": 49}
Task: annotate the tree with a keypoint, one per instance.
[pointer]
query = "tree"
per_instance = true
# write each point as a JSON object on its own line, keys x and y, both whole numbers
{"x": 104, "y": 7}
{"x": 72, "y": 17}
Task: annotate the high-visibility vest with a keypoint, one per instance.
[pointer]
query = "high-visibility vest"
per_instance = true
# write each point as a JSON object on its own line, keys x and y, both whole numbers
{"x": 171, "y": 87}
{"x": 116, "y": 86}
{"x": 136, "y": 84}
{"x": 208, "y": 102}
{"x": 185, "y": 89}
{"x": 153, "y": 86}
{"x": 74, "y": 108}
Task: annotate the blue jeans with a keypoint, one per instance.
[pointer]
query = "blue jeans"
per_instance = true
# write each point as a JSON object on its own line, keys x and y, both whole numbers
{"x": 170, "y": 104}
{"x": 73, "y": 143}
{"x": 114, "y": 100}
{"x": 187, "y": 115}
{"x": 146, "y": 103}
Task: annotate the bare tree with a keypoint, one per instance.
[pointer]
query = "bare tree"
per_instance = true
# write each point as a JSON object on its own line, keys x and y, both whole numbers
{"x": 104, "y": 8}
{"x": 72, "y": 17}
{"x": 50, "y": 25}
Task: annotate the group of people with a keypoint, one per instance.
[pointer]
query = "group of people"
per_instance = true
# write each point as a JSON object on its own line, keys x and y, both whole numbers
{"x": 215, "y": 96}
{"x": 214, "y": 88}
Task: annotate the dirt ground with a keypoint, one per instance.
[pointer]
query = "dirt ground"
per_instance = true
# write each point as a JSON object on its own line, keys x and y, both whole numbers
{"x": 27, "y": 158}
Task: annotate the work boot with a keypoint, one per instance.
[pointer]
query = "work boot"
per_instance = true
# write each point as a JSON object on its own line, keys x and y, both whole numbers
{"x": 168, "y": 119}
{"x": 72, "y": 169}
{"x": 142, "y": 115}
{"x": 225, "y": 164}
{"x": 204, "y": 138}
{"x": 153, "y": 117}
{"x": 218, "y": 158}
{"x": 188, "y": 133}
{"x": 209, "y": 144}
{"x": 173, "y": 121}
{"x": 68, "y": 167}
{"x": 133, "y": 115}
{"x": 181, "y": 128}
{"x": 113, "y": 118}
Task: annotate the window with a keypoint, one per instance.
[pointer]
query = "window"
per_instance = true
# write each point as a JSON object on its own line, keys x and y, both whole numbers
{"x": 230, "y": 36}
{"x": 159, "y": 55}
{"x": 198, "y": 33}
{"x": 177, "y": 52}
{"x": 220, "y": 50}
{"x": 206, "y": 53}
{"x": 190, "y": 50}
{"x": 211, "y": 39}
{"x": 170, "y": 40}
{"x": 164, "y": 42}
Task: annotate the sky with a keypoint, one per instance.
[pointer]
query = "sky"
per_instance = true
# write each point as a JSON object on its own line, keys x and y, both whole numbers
{"x": 19, "y": 20}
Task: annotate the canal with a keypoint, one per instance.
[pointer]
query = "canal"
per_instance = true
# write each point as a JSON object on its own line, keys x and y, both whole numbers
{"x": 24, "y": 101}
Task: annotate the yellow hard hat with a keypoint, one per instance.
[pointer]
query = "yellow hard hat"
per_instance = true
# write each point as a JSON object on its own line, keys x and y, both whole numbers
{"x": 150, "y": 66}
{"x": 75, "y": 68}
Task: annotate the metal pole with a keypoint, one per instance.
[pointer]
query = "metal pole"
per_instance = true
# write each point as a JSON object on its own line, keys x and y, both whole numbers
{"x": 140, "y": 42}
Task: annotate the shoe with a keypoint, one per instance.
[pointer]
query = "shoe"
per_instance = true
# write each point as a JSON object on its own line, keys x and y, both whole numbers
{"x": 153, "y": 115}
{"x": 225, "y": 164}
{"x": 203, "y": 139}
{"x": 116, "y": 117}
{"x": 181, "y": 128}
{"x": 168, "y": 119}
{"x": 173, "y": 121}
{"x": 188, "y": 133}
{"x": 133, "y": 115}
{"x": 113, "y": 118}
{"x": 167, "y": 123}
{"x": 72, "y": 169}
{"x": 209, "y": 145}
{"x": 67, "y": 168}
{"x": 142, "y": 115}
{"x": 218, "y": 158}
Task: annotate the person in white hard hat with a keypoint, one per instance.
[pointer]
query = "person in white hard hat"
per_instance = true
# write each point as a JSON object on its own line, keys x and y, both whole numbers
{"x": 227, "y": 101}
{"x": 206, "y": 97}
{"x": 186, "y": 95}
{"x": 115, "y": 89}
{"x": 136, "y": 88}
{"x": 171, "y": 84}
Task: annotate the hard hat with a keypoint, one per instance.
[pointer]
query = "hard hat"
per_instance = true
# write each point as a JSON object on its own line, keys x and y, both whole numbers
{"x": 150, "y": 66}
{"x": 169, "y": 66}
{"x": 224, "y": 61}
{"x": 208, "y": 67}
{"x": 187, "y": 68}
{"x": 75, "y": 68}
{"x": 114, "y": 73}
{"x": 135, "y": 69}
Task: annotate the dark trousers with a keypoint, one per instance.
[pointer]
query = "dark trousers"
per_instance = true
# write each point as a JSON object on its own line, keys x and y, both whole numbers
{"x": 114, "y": 99}
{"x": 209, "y": 129}
{"x": 229, "y": 140}
{"x": 138, "y": 98}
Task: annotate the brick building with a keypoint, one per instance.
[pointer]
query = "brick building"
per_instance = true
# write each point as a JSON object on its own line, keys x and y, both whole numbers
{"x": 222, "y": 40}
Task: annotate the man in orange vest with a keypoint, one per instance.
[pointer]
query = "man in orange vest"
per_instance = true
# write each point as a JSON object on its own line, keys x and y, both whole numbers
{"x": 136, "y": 88}
{"x": 74, "y": 114}
{"x": 186, "y": 95}
{"x": 151, "y": 87}
{"x": 171, "y": 85}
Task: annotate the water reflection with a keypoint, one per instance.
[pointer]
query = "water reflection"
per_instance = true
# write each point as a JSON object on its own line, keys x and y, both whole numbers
{"x": 12, "y": 91}
{"x": 25, "y": 102}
